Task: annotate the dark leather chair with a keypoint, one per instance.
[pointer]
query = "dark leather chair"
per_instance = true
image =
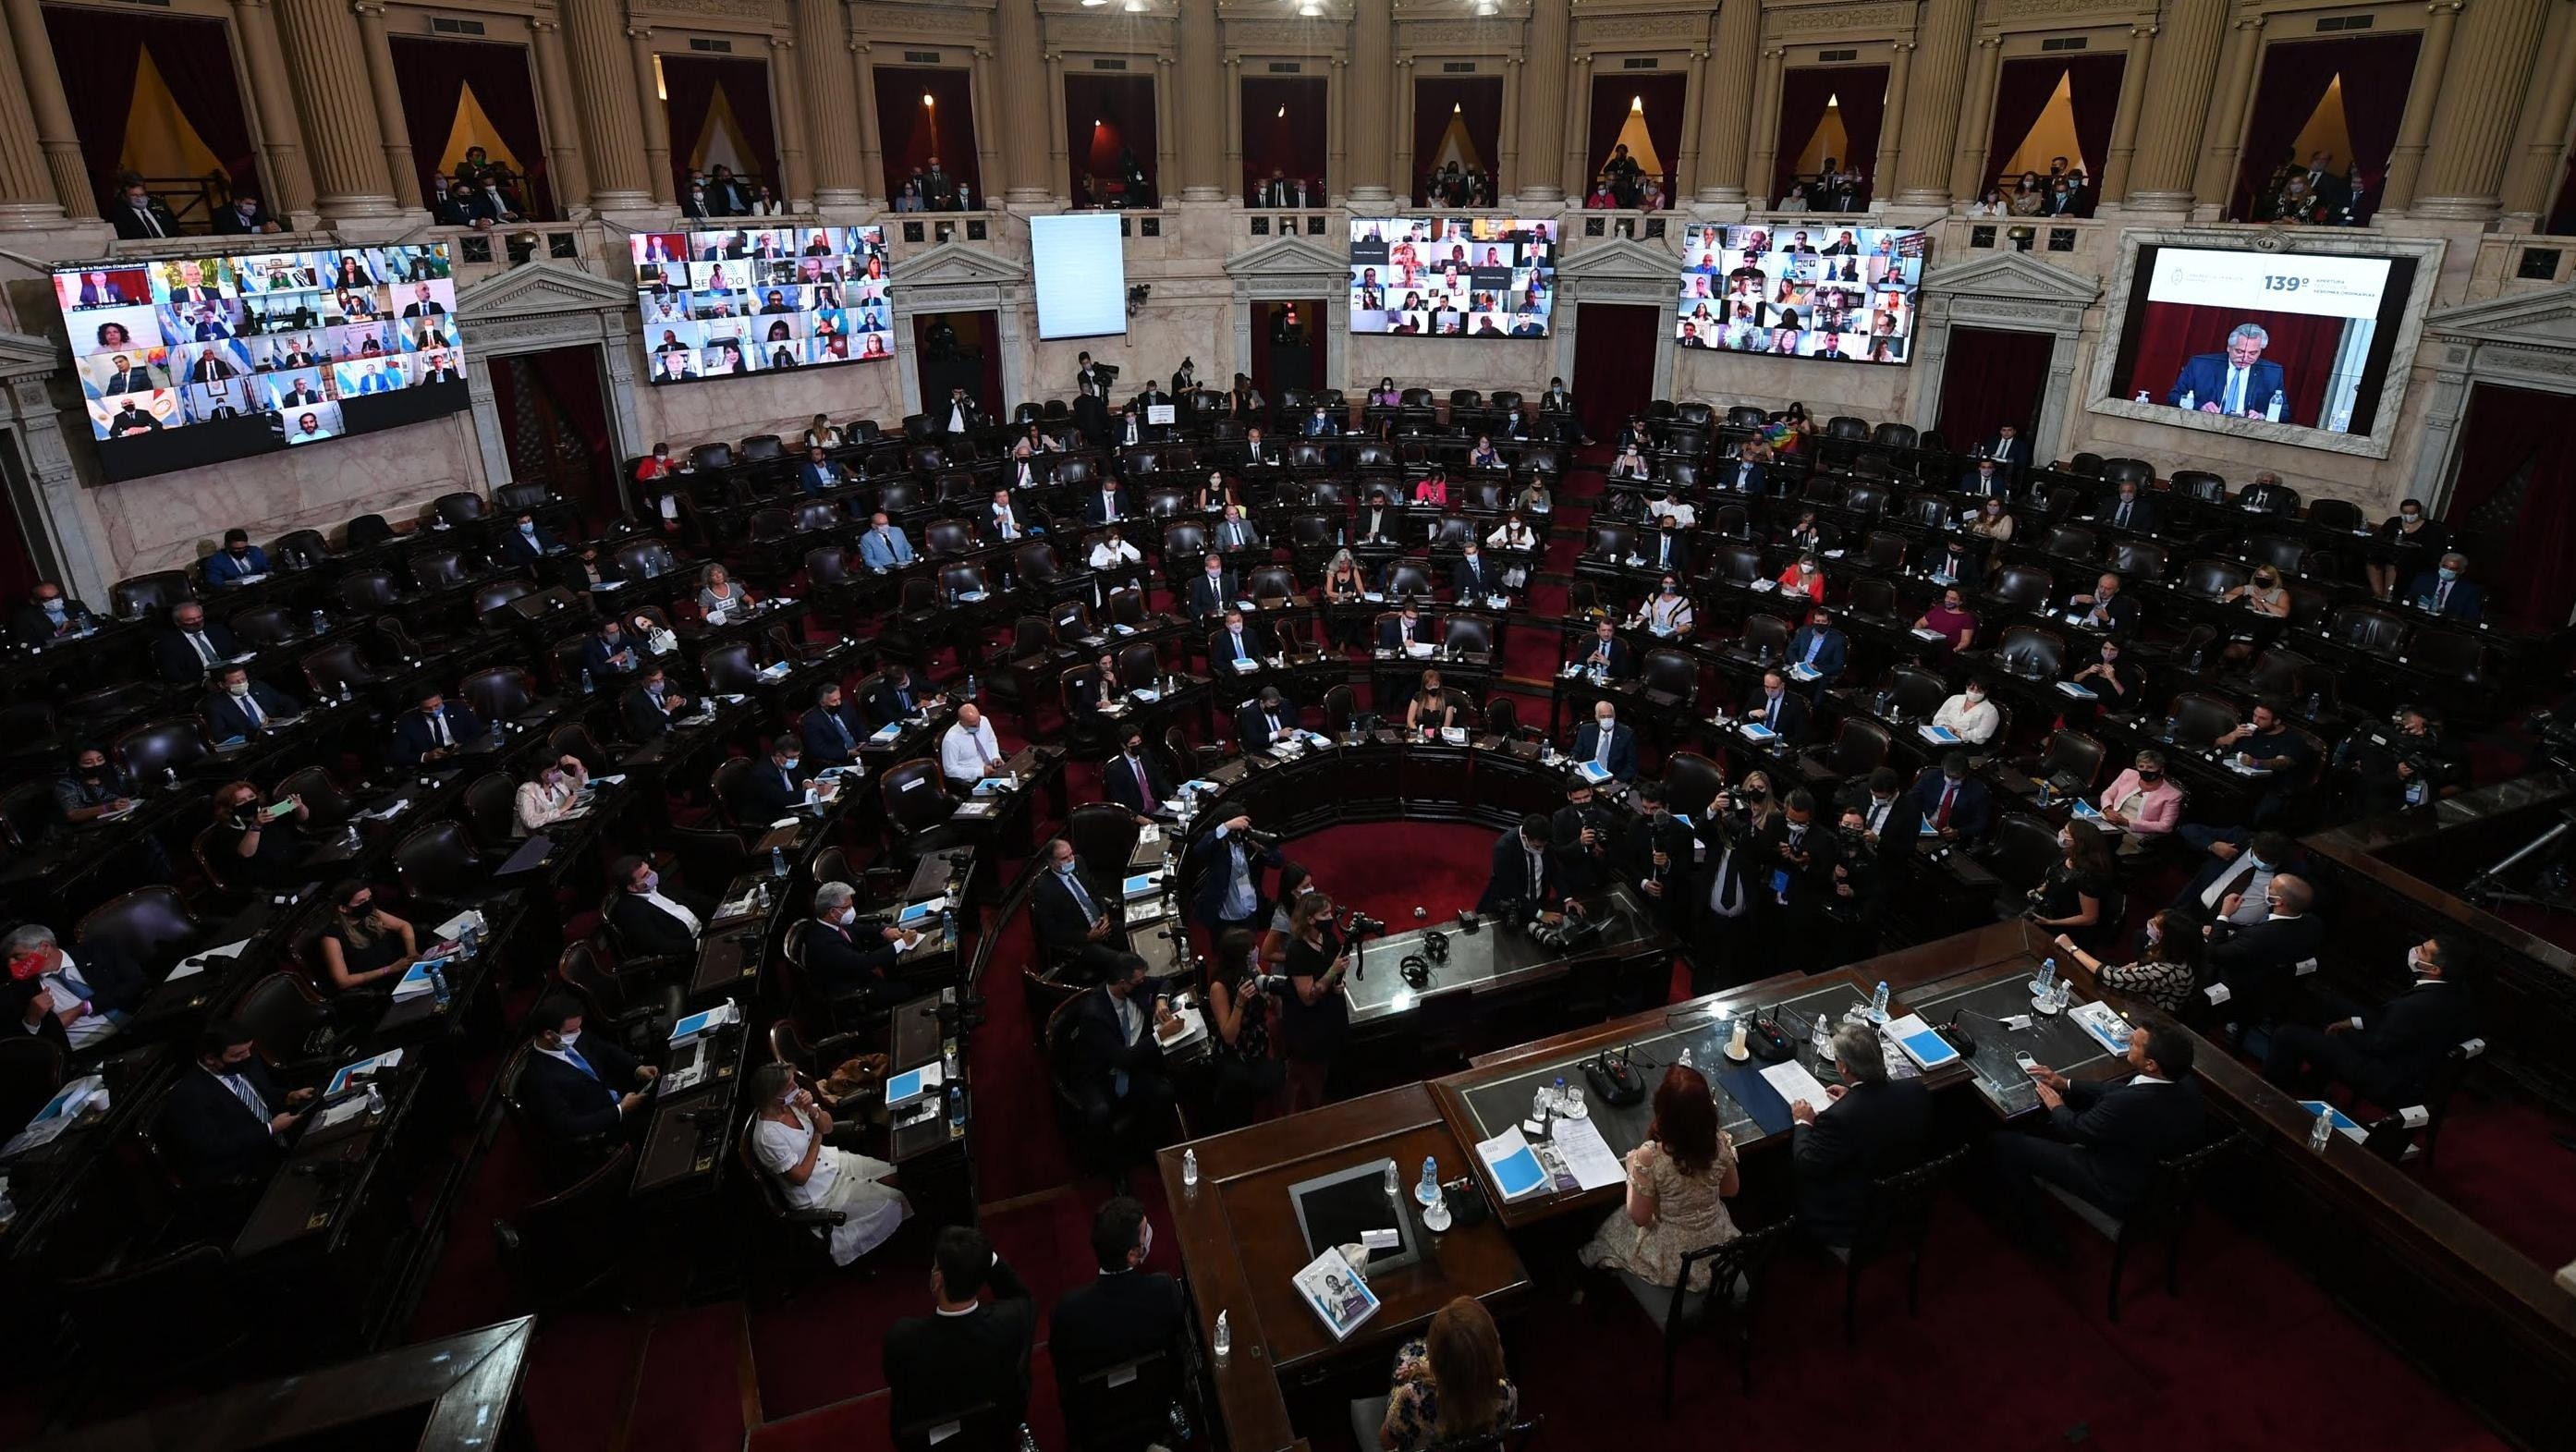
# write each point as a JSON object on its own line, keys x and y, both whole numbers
{"x": 2031, "y": 652}
{"x": 263, "y": 626}
{"x": 2023, "y": 587}
{"x": 491, "y": 811}
{"x": 293, "y": 1027}
{"x": 2370, "y": 630}
{"x": 366, "y": 531}
{"x": 1121, "y": 1407}
{"x": 917, "y": 805}
{"x": 1765, "y": 637}
{"x": 1467, "y": 635}
{"x": 501, "y": 693}
{"x": 1103, "y": 836}
{"x": 2072, "y": 756}
{"x": 1736, "y": 562}
{"x": 2138, "y": 559}
{"x": 1915, "y": 693}
{"x": 150, "y": 925}
{"x": 1669, "y": 677}
{"x": 2198, "y": 719}
{"x": 150, "y": 594}
{"x": 564, "y": 1248}
{"x": 155, "y": 747}
{"x": 440, "y": 869}
{"x": 1860, "y": 746}
{"x": 371, "y": 592}
{"x": 298, "y": 549}
{"x": 440, "y": 569}
{"x": 1897, "y": 1217}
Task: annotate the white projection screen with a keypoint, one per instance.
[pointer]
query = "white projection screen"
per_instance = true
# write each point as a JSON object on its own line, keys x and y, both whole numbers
{"x": 1081, "y": 268}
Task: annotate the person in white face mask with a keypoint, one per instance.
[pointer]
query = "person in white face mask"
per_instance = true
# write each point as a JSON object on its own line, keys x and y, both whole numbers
{"x": 845, "y": 958}
{"x": 579, "y": 1088}
{"x": 2386, "y": 1054}
{"x": 789, "y": 1138}
{"x": 1128, "y": 1312}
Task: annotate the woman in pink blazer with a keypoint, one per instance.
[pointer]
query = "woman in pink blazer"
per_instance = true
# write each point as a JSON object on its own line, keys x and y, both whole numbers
{"x": 2144, "y": 803}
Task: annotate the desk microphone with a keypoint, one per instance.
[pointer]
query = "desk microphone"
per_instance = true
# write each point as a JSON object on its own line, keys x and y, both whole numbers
{"x": 1959, "y": 1037}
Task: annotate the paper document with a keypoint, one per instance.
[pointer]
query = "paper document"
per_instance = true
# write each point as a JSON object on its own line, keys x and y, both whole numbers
{"x": 1587, "y": 1155}
{"x": 1515, "y": 1169}
{"x": 2104, "y": 1023}
{"x": 1927, "y": 1049}
{"x": 355, "y": 1076}
{"x": 1794, "y": 1083}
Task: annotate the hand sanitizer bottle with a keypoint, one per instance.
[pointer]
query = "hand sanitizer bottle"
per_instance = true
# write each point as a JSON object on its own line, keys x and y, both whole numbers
{"x": 1189, "y": 1169}
{"x": 1223, "y": 1342}
{"x": 2322, "y": 1133}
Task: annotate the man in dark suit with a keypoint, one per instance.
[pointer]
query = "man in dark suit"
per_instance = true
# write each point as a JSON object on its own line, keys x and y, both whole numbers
{"x": 652, "y": 705}
{"x": 224, "y": 1121}
{"x": 1381, "y": 518}
{"x": 1405, "y": 628}
{"x": 1473, "y": 579}
{"x": 818, "y": 475}
{"x": 139, "y": 214}
{"x": 245, "y": 216}
{"x": 608, "y": 653}
{"x": 1956, "y": 804}
{"x": 1986, "y": 481}
{"x": 237, "y": 561}
{"x": 124, "y": 377}
{"x": 193, "y": 646}
{"x": 1077, "y": 916}
{"x": 240, "y": 706}
{"x": 1264, "y": 721}
{"x": 1874, "y": 1127}
{"x": 1110, "y": 1060}
{"x": 2268, "y": 495}
{"x": 1524, "y": 871}
{"x": 1607, "y": 740}
{"x": 49, "y": 615}
{"x": 1107, "y": 505}
{"x": 653, "y": 921}
{"x": 2257, "y": 964}
{"x": 1135, "y": 780}
{"x": 436, "y": 730}
{"x": 2386, "y": 1056}
{"x": 1891, "y": 817}
{"x": 2236, "y": 872}
{"x": 1747, "y": 476}
{"x": 1229, "y": 865}
{"x": 1819, "y": 647}
{"x": 973, "y": 1352}
{"x": 2128, "y": 510}
{"x": 1237, "y": 639}
{"x": 1793, "y": 870}
{"x": 892, "y": 698}
{"x": 527, "y": 542}
{"x": 1776, "y": 706}
{"x": 2446, "y": 591}
{"x": 2235, "y": 383}
{"x": 578, "y": 1086}
{"x": 1666, "y": 548}
{"x": 2107, "y": 608}
{"x": 1606, "y": 654}
{"x": 846, "y": 958}
{"x": 2009, "y": 450}
{"x": 2105, "y": 1136}
{"x": 776, "y": 787}
{"x": 831, "y": 730}
{"x": 1213, "y": 590}
{"x": 1127, "y": 1313}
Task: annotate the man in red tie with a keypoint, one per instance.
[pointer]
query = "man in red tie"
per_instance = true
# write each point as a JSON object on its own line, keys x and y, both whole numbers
{"x": 1955, "y": 803}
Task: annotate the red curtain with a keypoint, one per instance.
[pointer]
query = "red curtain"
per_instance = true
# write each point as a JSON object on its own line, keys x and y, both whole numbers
{"x": 1804, "y": 90}
{"x": 432, "y": 76}
{"x": 97, "y": 54}
{"x": 1476, "y": 101}
{"x": 2377, "y": 71}
{"x": 2518, "y": 436}
{"x": 1992, "y": 377}
{"x": 1106, "y": 115}
{"x": 2304, "y": 346}
{"x": 2022, "y": 92}
{"x": 690, "y": 82}
{"x": 1611, "y": 343}
{"x": 1292, "y": 145}
{"x": 913, "y": 132}
{"x": 1612, "y": 97}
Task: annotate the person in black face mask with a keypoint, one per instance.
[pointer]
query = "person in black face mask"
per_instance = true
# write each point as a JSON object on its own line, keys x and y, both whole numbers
{"x": 94, "y": 787}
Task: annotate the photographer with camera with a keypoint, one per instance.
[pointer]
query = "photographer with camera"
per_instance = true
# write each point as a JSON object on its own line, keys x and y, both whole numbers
{"x": 1581, "y": 835}
{"x": 1797, "y": 856}
{"x": 1726, "y": 940}
{"x": 1852, "y": 909}
{"x": 1229, "y": 862}
{"x": 2409, "y": 767}
{"x": 1315, "y": 1014}
{"x": 1239, "y": 995}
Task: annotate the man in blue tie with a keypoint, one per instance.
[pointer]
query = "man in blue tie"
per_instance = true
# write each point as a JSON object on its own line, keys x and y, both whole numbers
{"x": 830, "y": 731}
{"x": 884, "y": 547}
{"x": 2234, "y": 384}
{"x": 579, "y": 1087}
{"x": 891, "y": 699}
{"x": 1238, "y": 641}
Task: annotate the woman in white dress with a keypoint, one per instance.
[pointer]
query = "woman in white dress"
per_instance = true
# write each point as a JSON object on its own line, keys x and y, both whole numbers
{"x": 789, "y": 1141}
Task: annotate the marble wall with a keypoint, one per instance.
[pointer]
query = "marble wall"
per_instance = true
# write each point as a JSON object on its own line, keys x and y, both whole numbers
{"x": 1874, "y": 392}
{"x": 767, "y": 403}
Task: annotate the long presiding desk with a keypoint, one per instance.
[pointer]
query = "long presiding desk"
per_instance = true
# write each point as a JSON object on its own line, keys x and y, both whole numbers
{"x": 2486, "y": 1323}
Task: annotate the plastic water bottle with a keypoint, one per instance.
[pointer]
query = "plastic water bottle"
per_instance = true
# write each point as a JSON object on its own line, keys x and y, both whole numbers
{"x": 1878, "y": 1002}
{"x": 170, "y": 777}
{"x": 1180, "y": 1419}
{"x": 438, "y": 982}
{"x": 375, "y": 1101}
{"x": 2322, "y": 1132}
{"x": 587, "y": 685}
{"x": 956, "y": 1109}
{"x": 1429, "y": 1189}
{"x": 948, "y": 926}
{"x": 1543, "y": 1104}
{"x": 1223, "y": 1342}
{"x": 971, "y": 688}
{"x": 321, "y": 622}
{"x": 1564, "y": 1099}
{"x": 2272, "y": 410}
{"x": 1189, "y": 1169}
{"x": 1392, "y": 1188}
{"x": 2047, "y": 983}
{"x": 1820, "y": 1035}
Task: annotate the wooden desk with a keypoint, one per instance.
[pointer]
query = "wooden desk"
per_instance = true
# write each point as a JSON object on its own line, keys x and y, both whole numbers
{"x": 1240, "y": 1245}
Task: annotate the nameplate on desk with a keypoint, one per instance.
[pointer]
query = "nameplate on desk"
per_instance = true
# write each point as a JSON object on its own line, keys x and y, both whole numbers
{"x": 979, "y": 809}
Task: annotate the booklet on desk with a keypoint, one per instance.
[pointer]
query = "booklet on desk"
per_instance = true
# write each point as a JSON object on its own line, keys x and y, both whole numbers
{"x": 1514, "y": 1166}
{"x": 1340, "y": 1298}
{"x": 1926, "y": 1048}
{"x": 352, "y": 1077}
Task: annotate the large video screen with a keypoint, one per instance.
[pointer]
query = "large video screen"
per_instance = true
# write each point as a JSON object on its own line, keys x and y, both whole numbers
{"x": 1453, "y": 277}
{"x": 1079, "y": 263}
{"x": 761, "y": 299}
{"x": 195, "y": 360}
{"x": 2297, "y": 338}
{"x": 1841, "y": 294}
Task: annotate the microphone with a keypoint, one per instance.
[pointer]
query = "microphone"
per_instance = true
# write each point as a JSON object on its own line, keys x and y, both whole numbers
{"x": 1959, "y": 1037}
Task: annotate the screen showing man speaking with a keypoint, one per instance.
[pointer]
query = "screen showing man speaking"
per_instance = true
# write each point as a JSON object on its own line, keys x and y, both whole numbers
{"x": 2224, "y": 337}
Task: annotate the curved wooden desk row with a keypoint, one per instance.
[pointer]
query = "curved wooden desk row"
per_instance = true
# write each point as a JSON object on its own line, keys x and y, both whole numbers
{"x": 2485, "y": 1321}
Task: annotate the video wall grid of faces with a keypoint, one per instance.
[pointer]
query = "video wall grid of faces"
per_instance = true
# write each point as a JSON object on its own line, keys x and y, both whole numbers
{"x": 195, "y": 360}
{"x": 1453, "y": 277}
{"x": 1841, "y": 294}
{"x": 762, "y": 299}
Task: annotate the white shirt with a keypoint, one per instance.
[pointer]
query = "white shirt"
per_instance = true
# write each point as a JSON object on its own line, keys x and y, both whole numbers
{"x": 968, "y": 756}
{"x": 687, "y": 918}
{"x": 1120, "y": 552}
{"x": 68, "y": 989}
{"x": 957, "y": 418}
{"x": 1971, "y": 723}
{"x": 782, "y": 1148}
{"x": 1678, "y": 511}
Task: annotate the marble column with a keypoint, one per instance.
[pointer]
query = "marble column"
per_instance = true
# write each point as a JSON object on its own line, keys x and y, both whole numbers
{"x": 1372, "y": 75}
{"x": 2223, "y": 136}
{"x": 2491, "y": 58}
{"x": 863, "y": 68}
{"x": 1059, "y": 145}
{"x": 2532, "y": 183}
{"x": 568, "y": 171}
{"x": 1694, "y": 86}
{"x": 795, "y": 181}
{"x": 66, "y": 189}
{"x": 2124, "y": 121}
{"x": 284, "y": 171}
{"x": 1968, "y": 178}
{"x": 1932, "y": 118}
{"x": 326, "y": 64}
{"x": 1202, "y": 103}
{"x": 652, "y": 114}
{"x": 2176, "y": 105}
{"x": 1727, "y": 102}
{"x": 401, "y": 172}
{"x": 1025, "y": 98}
{"x": 1573, "y": 166}
{"x": 2415, "y": 127}
{"x": 1233, "y": 179}
{"x": 612, "y": 122}
{"x": 1766, "y": 130}
{"x": 1891, "y": 135}
{"x": 1543, "y": 92}
{"x": 822, "y": 56}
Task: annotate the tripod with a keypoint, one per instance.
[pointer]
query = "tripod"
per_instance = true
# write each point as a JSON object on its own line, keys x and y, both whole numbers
{"x": 2489, "y": 886}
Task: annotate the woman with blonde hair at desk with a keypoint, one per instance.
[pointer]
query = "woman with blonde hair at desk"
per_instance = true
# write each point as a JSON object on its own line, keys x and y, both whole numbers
{"x": 788, "y": 1139}
{"x": 1675, "y": 1183}
{"x": 1450, "y": 1383}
